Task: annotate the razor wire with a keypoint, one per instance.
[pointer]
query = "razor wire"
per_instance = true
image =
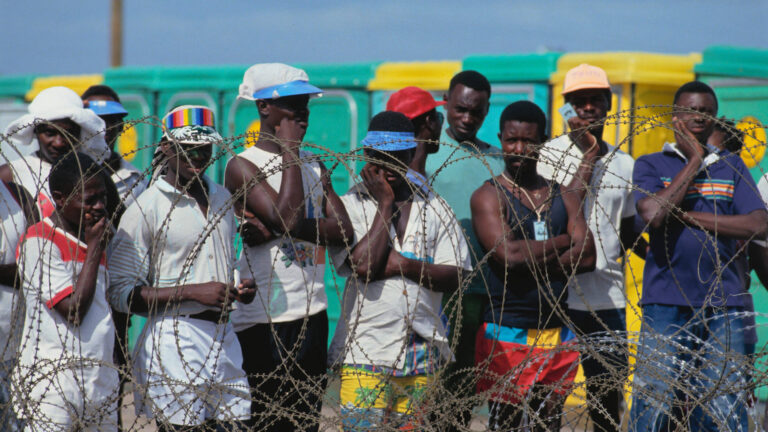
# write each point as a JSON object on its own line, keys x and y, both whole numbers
{"x": 683, "y": 363}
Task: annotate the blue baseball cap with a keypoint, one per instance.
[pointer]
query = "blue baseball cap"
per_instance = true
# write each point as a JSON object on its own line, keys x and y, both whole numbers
{"x": 389, "y": 141}
{"x": 275, "y": 80}
{"x": 101, "y": 107}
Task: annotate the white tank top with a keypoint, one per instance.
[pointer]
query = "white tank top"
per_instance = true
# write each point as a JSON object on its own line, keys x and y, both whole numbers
{"x": 289, "y": 273}
{"x": 13, "y": 224}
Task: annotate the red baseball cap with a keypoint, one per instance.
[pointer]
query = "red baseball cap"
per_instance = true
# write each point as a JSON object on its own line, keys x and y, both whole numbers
{"x": 412, "y": 101}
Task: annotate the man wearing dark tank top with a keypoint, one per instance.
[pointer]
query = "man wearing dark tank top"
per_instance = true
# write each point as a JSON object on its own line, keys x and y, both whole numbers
{"x": 536, "y": 238}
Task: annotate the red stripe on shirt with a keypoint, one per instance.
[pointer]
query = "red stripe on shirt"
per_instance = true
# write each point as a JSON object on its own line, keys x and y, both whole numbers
{"x": 70, "y": 250}
{"x": 46, "y": 205}
{"x": 61, "y": 295}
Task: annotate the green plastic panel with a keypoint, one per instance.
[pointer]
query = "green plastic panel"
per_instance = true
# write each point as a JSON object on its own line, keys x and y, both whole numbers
{"x": 734, "y": 62}
{"x": 511, "y": 68}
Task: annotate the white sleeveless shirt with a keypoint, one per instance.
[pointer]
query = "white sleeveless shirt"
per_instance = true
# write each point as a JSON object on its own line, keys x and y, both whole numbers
{"x": 289, "y": 273}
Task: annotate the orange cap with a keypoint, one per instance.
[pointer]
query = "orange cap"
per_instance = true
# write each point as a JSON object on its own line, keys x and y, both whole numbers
{"x": 585, "y": 76}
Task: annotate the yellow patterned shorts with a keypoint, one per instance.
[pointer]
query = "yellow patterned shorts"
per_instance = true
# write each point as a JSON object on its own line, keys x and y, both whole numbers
{"x": 370, "y": 400}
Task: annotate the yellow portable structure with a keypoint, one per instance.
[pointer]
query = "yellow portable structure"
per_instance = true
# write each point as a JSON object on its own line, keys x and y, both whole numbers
{"x": 433, "y": 76}
{"x": 78, "y": 83}
{"x": 643, "y": 86}
{"x": 429, "y": 75}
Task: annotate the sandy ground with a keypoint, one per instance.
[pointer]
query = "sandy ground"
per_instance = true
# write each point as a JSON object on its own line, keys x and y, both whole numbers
{"x": 330, "y": 415}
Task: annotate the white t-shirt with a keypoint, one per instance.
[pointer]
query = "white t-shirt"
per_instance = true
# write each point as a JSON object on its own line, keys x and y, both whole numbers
{"x": 32, "y": 174}
{"x": 181, "y": 364}
{"x": 377, "y": 317}
{"x": 608, "y": 201}
{"x": 60, "y": 363}
{"x": 289, "y": 273}
{"x": 164, "y": 240}
{"x": 13, "y": 224}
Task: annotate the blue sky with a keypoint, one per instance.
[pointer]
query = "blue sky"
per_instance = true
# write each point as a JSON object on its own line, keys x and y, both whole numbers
{"x": 61, "y": 37}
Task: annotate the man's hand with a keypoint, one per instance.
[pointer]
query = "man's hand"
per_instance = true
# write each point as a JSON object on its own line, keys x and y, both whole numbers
{"x": 246, "y": 291}
{"x": 290, "y": 133}
{"x": 216, "y": 294}
{"x": 395, "y": 264}
{"x": 96, "y": 230}
{"x": 581, "y": 135}
{"x": 254, "y": 232}
{"x": 375, "y": 181}
{"x": 687, "y": 142}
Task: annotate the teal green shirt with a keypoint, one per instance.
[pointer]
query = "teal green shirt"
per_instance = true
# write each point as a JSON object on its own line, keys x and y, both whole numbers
{"x": 455, "y": 172}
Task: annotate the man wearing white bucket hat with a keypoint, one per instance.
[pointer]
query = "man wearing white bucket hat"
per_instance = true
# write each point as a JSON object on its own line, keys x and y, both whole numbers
{"x": 291, "y": 214}
{"x": 173, "y": 260}
{"x": 59, "y": 124}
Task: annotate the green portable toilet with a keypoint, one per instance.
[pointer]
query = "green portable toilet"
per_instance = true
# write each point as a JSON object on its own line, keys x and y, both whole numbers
{"x": 137, "y": 88}
{"x": 739, "y": 77}
{"x": 513, "y": 77}
{"x": 338, "y": 121}
{"x": 12, "y": 104}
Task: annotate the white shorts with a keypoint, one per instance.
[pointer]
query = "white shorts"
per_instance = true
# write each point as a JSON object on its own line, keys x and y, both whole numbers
{"x": 57, "y": 418}
{"x": 188, "y": 371}
{"x": 50, "y": 398}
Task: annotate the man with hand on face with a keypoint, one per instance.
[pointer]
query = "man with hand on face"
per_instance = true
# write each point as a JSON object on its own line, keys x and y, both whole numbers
{"x": 599, "y": 175}
{"x": 407, "y": 251}
{"x": 699, "y": 204}
{"x": 173, "y": 259}
{"x": 462, "y": 163}
{"x": 105, "y": 102}
{"x": 291, "y": 213}
{"x": 64, "y": 379}
{"x": 538, "y": 239}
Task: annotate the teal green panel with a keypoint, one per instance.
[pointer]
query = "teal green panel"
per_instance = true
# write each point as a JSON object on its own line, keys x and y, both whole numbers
{"x": 15, "y": 87}
{"x": 513, "y": 68}
{"x": 344, "y": 75}
{"x": 134, "y": 331}
{"x": 503, "y": 95}
{"x": 740, "y": 101}
{"x": 760, "y": 300}
{"x": 733, "y": 62}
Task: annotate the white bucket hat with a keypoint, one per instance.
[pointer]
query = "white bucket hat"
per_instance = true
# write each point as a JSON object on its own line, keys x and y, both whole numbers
{"x": 58, "y": 103}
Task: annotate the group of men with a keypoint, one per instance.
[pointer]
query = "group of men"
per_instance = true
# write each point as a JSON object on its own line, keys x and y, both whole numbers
{"x": 471, "y": 269}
